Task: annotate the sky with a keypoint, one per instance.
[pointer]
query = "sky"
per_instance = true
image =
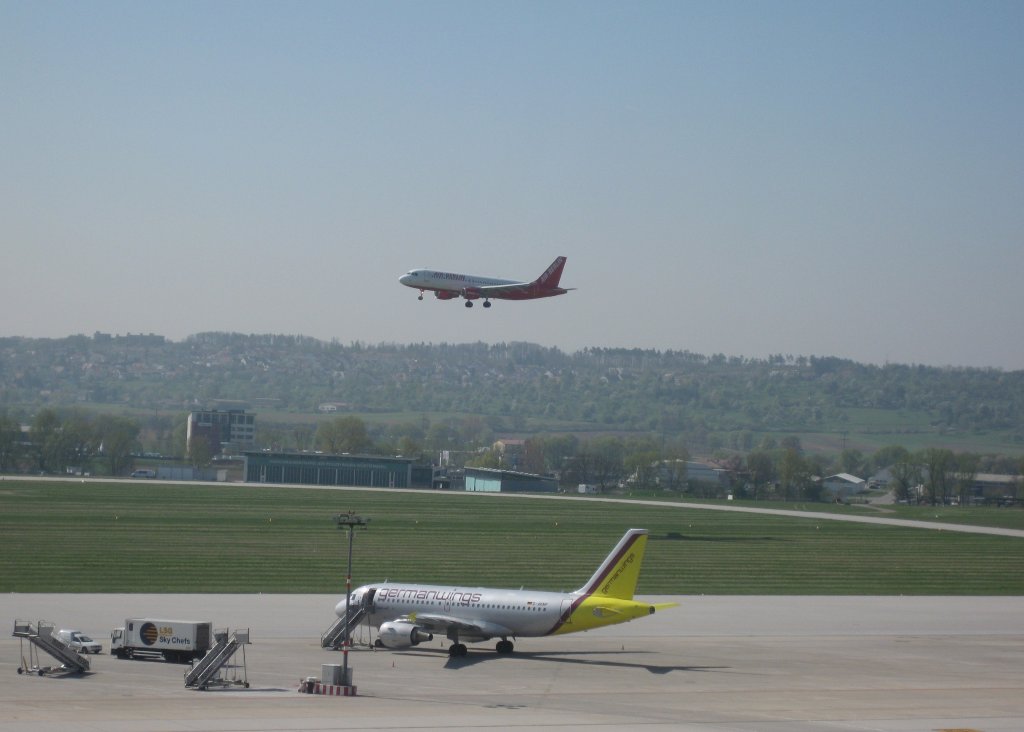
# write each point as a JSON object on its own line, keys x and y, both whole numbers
{"x": 745, "y": 178}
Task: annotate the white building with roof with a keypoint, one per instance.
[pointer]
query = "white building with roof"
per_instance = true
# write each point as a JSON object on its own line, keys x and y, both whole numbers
{"x": 842, "y": 485}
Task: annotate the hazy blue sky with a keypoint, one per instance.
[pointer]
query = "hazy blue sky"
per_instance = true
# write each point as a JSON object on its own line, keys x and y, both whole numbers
{"x": 747, "y": 178}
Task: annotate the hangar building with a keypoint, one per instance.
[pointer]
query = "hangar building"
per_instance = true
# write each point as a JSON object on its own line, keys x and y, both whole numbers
{"x": 306, "y": 468}
{"x": 488, "y": 480}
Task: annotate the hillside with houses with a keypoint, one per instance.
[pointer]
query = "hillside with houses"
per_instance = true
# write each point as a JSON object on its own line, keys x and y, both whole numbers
{"x": 527, "y": 385}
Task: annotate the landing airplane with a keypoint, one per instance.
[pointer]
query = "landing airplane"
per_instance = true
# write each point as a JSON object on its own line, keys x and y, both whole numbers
{"x": 450, "y": 285}
{"x": 407, "y": 615}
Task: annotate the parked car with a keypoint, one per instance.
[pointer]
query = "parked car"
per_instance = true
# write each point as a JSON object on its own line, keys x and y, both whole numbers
{"x": 79, "y": 641}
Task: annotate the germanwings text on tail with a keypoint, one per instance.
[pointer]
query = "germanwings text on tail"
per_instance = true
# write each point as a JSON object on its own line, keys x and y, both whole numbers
{"x": 406, "y": 615}
{"x": 451, "y": 285}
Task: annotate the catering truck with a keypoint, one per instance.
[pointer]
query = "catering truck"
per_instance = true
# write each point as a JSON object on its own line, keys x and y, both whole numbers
{"x": 172, "y": 640}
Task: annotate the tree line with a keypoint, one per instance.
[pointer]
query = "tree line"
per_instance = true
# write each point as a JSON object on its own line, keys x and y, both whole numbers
{"x": 74, "y": 440}
{"x": 775, "y": 469}
{"x": 77, "y": 442}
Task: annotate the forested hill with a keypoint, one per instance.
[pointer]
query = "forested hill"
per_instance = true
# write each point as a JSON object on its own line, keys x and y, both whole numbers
{"x": 666, "y": 391}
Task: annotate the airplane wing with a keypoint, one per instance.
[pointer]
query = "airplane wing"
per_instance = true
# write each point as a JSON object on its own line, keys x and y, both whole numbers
{"x": 468, "y": 629}
{"x": 518, "y": 291}
{"x": 499, "y": 291}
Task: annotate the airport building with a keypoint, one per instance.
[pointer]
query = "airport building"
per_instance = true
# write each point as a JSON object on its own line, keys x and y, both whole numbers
{"x": 307, "y": 468}
{"x": 488, "y": 480}
{"x": 224, "y": 431}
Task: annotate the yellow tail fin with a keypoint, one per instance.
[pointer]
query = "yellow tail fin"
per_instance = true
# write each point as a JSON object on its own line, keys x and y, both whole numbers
{"x": 618, "y": 574}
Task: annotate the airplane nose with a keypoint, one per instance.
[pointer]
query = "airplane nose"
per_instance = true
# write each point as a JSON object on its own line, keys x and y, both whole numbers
{"x": 404, "y": 279}
{"x": 339, "y": 609}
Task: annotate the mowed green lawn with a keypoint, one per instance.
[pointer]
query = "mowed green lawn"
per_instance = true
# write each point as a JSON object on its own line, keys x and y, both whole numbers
{"x": 121, "y": 537}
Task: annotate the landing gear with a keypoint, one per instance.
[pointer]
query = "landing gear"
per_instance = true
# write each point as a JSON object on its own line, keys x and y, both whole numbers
{"x": 421, "y": 295}
{"x": 504, "y": 646}
{"x": 487, "y": 303}
{"x": 469, "y": 303}
{"x": 457, "y": 649}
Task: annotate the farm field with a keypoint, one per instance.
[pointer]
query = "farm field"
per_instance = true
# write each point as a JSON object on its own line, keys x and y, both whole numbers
{"x": 102, "y": 537}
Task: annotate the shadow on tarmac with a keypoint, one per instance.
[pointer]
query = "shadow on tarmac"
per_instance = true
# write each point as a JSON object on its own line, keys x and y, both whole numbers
{"x": 599, "y": 659}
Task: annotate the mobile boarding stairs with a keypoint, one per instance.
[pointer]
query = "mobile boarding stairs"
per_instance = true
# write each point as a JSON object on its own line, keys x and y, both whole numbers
{"x": 41, "y": 638}
{"x": 334, "y": 637}
{"x": 211, "y": 669}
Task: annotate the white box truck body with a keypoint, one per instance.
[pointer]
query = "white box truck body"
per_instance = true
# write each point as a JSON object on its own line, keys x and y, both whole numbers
{"x": 173, "y": 640}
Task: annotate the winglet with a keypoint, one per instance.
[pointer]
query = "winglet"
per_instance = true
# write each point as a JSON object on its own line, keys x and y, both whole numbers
{"x": 618, "y": 574}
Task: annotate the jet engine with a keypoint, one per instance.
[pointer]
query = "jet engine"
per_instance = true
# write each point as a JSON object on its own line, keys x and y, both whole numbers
{"x": 397, "y": 634}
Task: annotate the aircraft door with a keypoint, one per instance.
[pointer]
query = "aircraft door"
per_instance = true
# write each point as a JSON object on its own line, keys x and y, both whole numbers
{"x": 368, "y": 599}
{"x": 565, "y": 614}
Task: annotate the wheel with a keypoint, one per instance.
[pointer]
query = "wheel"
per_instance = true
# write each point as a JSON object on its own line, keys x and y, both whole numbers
{"x": 469, "y": 303}
{"x": 420, "y": 297}
{"x": 20, "y": 670}
{"x": 504, "y": 647}
{"x": 487, "y": 303}
{"x": 457, "y": 649}
{"x": 246, "y": 684}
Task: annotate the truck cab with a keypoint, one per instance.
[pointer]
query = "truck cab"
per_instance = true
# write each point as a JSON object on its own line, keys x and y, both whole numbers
{"x": 116, "y": 642}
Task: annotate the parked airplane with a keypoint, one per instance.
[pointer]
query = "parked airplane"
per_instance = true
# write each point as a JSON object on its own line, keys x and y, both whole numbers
{"x": 450, "y": 285}
{"x": 407, "y": 615}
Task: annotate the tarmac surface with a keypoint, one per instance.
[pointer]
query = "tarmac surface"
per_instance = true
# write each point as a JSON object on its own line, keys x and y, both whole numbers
{"x": 771, "y": 664}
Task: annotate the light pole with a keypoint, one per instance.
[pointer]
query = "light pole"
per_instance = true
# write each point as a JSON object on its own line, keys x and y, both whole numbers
{"x": 350, "y": 521}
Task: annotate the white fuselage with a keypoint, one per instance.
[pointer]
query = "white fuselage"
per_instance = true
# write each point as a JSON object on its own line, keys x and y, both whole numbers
{"x": 524, "y": 613}
{"x": 428, "y": 279}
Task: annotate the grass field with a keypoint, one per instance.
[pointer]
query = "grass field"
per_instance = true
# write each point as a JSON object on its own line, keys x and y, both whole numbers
{"x": 1004, "y": 518}
{"x": 121, "y": 537}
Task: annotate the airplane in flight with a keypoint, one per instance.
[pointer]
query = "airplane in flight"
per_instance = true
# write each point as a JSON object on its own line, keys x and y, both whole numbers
{"x": 450, "y": 285}
{"x": 408, "y": 614}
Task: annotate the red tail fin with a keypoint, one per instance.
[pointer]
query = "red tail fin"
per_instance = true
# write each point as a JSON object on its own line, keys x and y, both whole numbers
{"x": 552, "y": 274}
